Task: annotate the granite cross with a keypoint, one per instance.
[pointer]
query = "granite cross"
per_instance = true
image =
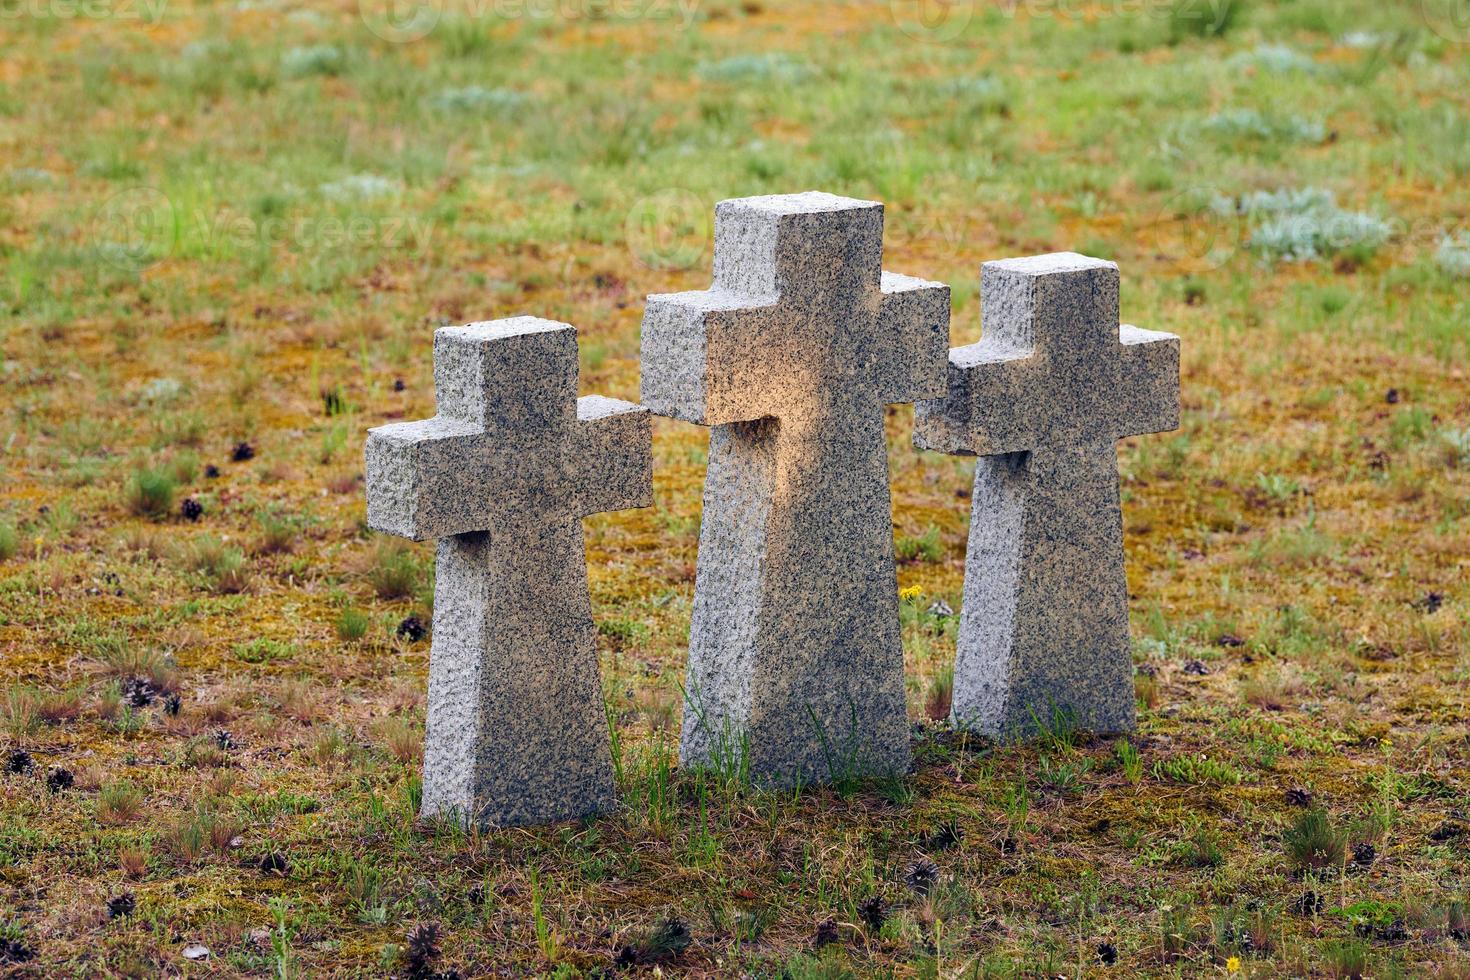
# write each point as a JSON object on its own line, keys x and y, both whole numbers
{"x": 1043, "y": 399}
{"x": 502, "y": 477}
{"x": 795, "y": 662}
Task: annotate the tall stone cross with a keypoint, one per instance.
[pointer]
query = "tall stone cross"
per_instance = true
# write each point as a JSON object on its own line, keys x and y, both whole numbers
{"x": 502, "y": 477}
{"x": 795, "y": 664}
{"x": 1043, "y": 399}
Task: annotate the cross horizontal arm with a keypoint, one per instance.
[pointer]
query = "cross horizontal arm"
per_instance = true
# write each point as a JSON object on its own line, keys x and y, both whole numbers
{"x": 987, "y": 407}
{"x": 706, "y": 358}
{"x": 427, "y": 479}
{"x": 1148, "y": 382}
{"x": 913, "y": 338}
{"x": 611, "y": 456}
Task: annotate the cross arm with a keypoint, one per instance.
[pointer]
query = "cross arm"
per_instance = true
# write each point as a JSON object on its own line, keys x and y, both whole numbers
{"x": 913, "y": 332}
{"x": 986, "y": 407}
{"x": 426, "y": 479}
{"x": 1148, "y": 382}
{"x": 706, "y": 357}
{"x": 611, "y": 456}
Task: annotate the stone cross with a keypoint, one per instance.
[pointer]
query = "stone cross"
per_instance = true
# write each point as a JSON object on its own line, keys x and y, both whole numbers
{"x": 795, "y": 663}
{"x": 1043, "y": 399}
{"x": 502, "y": 477}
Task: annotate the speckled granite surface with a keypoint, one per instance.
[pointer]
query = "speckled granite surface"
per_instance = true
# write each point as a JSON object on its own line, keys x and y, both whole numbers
{"x": 1044, "y": 397}
{"x": 791, "y": 356}
{"x": 502, "y": 476}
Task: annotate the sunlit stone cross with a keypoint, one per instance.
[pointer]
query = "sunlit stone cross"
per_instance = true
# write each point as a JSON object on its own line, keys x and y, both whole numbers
{"x": 795, "y": 664}
{"x": 502, "y": 477}
{"x": 1043, "y": 398}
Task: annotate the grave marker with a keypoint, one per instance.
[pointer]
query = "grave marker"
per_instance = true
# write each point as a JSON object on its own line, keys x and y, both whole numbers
{"x": 502, "y": 476}
{"x": 1043, "y": 399}
{"x": 795, "y": 664}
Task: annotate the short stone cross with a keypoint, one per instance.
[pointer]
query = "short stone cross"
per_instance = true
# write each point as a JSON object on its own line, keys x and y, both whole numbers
{"x": 1043, "y": 398}
{"x": 502, "y": 477}
{"x": 795, "y": 663}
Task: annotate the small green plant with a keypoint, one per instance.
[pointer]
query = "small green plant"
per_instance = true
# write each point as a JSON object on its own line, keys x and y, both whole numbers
{"x": 150, "y": 493}
{"x": 128, "y": 720}
{"x": 183, "y": 467}
{"x": 1176, "y": 933}
{"x": 1200, "y": 849}
{"x": 615, "y": 740}
{"x": 279, "y": 532}
{"x": 221, "y": 568}
{"x": 1315, "y": 843}
{"x": 1197, "y": 770}
{"x": 333, "y": 440}
{"x": 19, "y": 715}
{"x": 351, "y": 625}
{"x": 1061, "y": 778}
{"x": 1017, "y": 804}
{"x": 403, "y": 740}
{"x": 263, "y": 650}
{"x": 927, "y": 547}
{"x": 55, "y": 707}
{"x": 286, "y": 965}
{"x": 940, "y": 694}
{"x": 841, "y": 759}
{"x": 1255, "y": 125}
{"x": 1129, "y": 759}
{"x": 1410, "y": 426}
{"x": 623, "y": 633}
{"x": 729, "y": 748}
{"x": 9, "y": 541}
{"x": 362, "y": 884}
{"x": 394, "y": 573}
{"x": 119, "y": 802}
{"x": 546, "y": 939}
{"x": 187, "y": 841}
{"x": 1276, "y": 488}
{"x": 121, "y": 658}
{"x": 1056, "y": 726}
{"x": 1346, "y": 959}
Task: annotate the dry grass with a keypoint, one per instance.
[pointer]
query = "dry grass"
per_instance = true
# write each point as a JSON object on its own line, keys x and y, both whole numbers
{"x": 1296, "y": 551}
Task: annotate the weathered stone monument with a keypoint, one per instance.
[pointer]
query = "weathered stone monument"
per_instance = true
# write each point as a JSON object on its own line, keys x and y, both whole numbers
{"x": 502, "y": 477}
{"x": 795, "y": 662}
{"x": 1043, "y": 399}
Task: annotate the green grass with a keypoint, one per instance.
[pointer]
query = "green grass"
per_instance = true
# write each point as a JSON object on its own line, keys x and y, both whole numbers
{"x": 241, "y": 223}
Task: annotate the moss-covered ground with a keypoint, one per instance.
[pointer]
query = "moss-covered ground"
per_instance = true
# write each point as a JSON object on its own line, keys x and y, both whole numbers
{"x": 227, "y": 233}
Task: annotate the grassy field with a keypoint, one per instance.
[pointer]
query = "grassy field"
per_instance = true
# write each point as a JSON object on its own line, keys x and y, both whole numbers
{"x": 227, "y": 233}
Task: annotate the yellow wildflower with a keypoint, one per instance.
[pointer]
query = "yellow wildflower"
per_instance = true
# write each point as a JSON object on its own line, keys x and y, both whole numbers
{"x": 910, "y": 593}
{"x": 1232, "y": 965}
